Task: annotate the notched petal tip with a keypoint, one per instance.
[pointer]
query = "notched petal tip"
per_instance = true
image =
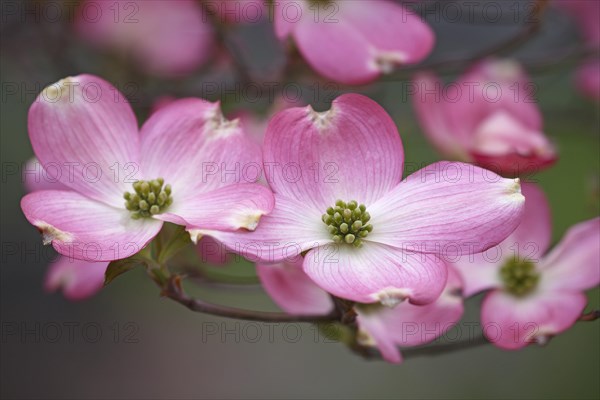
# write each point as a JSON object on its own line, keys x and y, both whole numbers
{"x": 249, "y": 221}
{"x": 218, "y": 126}
{"x": 320, "y": 119}
{"x": 514, "y": 189}
{"x": 542, "y": 339}
{"x": 195, "y": 235}
{"x": 386, "y": 62}
{"x": 391, "y": 297}
{"x": 58, "y": 90}
{"x": 51, "y": 233}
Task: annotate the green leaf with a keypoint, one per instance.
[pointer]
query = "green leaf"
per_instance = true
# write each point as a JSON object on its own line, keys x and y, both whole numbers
{"x": 118, "y": 267}
{"x": 170, "y": 240}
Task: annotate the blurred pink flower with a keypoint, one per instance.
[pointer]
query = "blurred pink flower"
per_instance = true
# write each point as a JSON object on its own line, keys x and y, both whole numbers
{"x": 96, "y": 149}
{"x": 488, "y": 117}
{"x": 238, "y": 11}
{"x": 354, "y": 42}
{"x": 78, "y": 279}
{"x": 387, "y": 328}
{"x": 383, "y": 239}
{"x": 292, "y": 290}
{"x": 588, "y": 79}
{"x": 585, "y": 14}
{"x": 164, "y": 38}
{"x": 534, "y": 296}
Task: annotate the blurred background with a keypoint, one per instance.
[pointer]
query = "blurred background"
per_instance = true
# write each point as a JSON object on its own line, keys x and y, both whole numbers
{"x": 128, "y": 342}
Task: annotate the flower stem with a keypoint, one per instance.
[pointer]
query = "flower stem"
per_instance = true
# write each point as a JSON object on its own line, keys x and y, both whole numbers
{"x": 591, "y": 316}
{"x": 174, "y": 291}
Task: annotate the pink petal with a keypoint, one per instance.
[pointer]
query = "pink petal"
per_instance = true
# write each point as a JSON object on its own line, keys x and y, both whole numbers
{"x": 587, "y": 78}
{"x": 534, "y": 233}
{"x": 281, "y": 235}
{"x": 212, "y": 252}
{"x": 504, "y": 145}
{"x": 411, "y": 325}
{"x": 35, "y": 177}
{"x": 435, "y": 119}
{"x": 351, "y": 152}
{"x": 511, "y": 322}
{"x": 84, "y": 133}
{"x": 480, "y": 272}
{"x": 574, "y": 263}
{"x": 513, "y": 164}
{"x": 283, "y": 24}
{"x": 448, "y": 209}
{"x": 163, "y": 38}
{"x": 233, "y": 207}
{"x": 529, "y": 241}
{"x": 461, "y": 119}
{"x": 393, "y": 30}
{"x": 292, "y": 289}
{"x": 502, "y": 85}
{"x": 78, "y": 279}
{"x": 357, "y": 40}
{"x": 86, "y": 229}
{"x": 376, "y": 272}
{"x": 195, "y": 149}
{"x": 343, "y": 54}
{"x": 375, "y": 330}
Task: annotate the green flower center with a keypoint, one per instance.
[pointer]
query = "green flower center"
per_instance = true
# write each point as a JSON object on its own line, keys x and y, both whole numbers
{"x": 519, "y": 276}
{"x": 348, "y": 222}
{"x": 149, "y": 198}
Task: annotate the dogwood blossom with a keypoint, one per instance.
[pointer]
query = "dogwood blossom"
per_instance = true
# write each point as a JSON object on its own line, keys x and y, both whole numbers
{"x": 353, "y": 42}
{"x": 368, "y": 235}
{"x": 533, "y": 295}
{"x": 488, "y": 116}
{"x": 124, "y": 182}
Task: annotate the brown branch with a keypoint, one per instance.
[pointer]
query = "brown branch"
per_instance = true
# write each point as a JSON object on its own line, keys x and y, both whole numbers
{"x": 445, "y": 348}
{"x": 175, "y": 292}
{"x": 591, "y": 316}
{"x": 206, "y": 277}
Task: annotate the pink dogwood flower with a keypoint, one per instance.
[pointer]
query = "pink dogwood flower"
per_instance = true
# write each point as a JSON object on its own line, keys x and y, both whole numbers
{"x": 585, "y": 14}
{"x": 487, "y": 117}
{"x": 163, "y": 38}
{"x": 124, "y": 182}
{"x": 587, "y": 79}
{"x": 78, "y": 279}
{"x": 386, "y": 328}
{"x": 353, "y": 42}
{"x": 534, "y": 295}
{"x": 369, "y": 236}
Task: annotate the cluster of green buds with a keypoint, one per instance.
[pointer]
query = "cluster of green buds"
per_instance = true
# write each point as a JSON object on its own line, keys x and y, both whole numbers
{"x": 348, "y": 222}
{"x": 150, "y": 198}
{"x": 519, "y": 276}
